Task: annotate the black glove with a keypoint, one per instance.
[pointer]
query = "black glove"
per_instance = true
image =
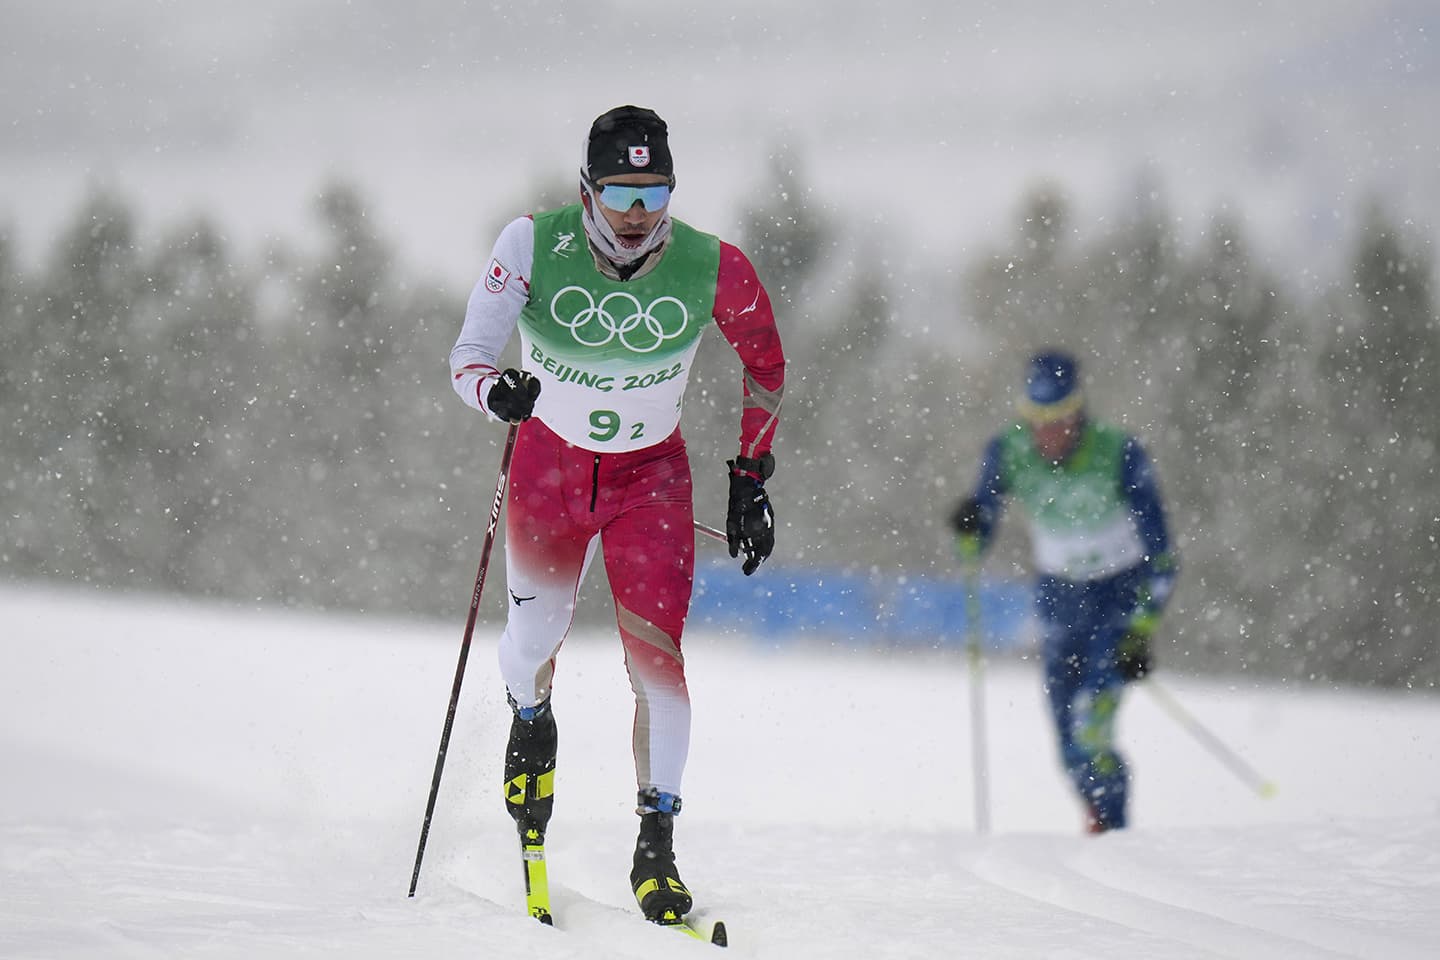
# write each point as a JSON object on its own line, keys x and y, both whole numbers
{"x": 513, "y": 397}
{"x": 750, "y": 522}
{"x": 1132, "y": 655}
{"x": 966, "y": 516}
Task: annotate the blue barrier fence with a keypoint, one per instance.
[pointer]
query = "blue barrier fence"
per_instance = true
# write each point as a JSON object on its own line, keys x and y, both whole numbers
{"x": 837, "y": 605}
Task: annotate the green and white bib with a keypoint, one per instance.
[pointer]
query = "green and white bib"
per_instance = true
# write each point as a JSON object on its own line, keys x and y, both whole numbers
{"x": 1080, "y": 522}
{"x": 613, "y": 358}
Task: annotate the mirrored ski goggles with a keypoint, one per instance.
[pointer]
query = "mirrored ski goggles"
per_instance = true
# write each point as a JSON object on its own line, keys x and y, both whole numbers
{"x": 620, "y": 197}
{"x": 1039, "y": 415}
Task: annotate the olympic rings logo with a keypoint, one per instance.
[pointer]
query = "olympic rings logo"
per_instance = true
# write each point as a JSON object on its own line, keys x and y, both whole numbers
{"x": 619, "y": 316}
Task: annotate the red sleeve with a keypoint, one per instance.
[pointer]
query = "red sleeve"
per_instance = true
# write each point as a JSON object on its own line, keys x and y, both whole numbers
{"x": 745, "y": 319}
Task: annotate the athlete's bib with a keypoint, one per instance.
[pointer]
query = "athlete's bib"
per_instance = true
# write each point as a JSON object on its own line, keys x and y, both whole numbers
{"x": 613, "y": 357}
{"x": 1080, "y": 523}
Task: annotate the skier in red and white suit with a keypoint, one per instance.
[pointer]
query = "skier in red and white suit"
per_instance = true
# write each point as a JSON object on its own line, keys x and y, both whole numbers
{"x": 610, "y": 297}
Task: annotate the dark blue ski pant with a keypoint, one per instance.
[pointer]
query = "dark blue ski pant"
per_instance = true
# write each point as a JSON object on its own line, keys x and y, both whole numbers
{"x": 1081, "y": 623}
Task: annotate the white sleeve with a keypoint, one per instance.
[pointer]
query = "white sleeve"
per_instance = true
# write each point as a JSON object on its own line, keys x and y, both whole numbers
{"x": 492, "y": 313}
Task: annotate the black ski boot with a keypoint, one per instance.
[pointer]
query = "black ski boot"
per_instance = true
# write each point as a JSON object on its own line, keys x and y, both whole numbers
{"x": 530, "y": 770}
{"x": 658, "y": 888}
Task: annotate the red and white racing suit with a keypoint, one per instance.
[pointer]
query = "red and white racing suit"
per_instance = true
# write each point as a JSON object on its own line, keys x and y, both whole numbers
{"x": 636, "y": 504}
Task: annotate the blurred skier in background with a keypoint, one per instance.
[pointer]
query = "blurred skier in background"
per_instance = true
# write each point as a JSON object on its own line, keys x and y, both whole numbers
{"x": 610, "y": 296}
{"x": 1102, "y": 559}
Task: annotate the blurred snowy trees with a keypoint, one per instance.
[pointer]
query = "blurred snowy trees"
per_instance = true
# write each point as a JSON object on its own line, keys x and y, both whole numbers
{"x": 1287, "y": 416}
{"x": 277, "y": 435}
{"x": 180, "y": 418}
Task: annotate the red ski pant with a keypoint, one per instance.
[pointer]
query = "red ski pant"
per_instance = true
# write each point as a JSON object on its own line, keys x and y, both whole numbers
{"x": 638, "y": 507}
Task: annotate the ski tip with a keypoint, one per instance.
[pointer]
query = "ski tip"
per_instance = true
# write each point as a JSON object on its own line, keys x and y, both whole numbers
{"x": 543, "y": 915}
{"x": 672, "y": 920}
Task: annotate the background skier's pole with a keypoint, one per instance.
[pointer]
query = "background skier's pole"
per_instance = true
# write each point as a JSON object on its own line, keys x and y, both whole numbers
{"x": 495, "y": 506}
{"x": 1224, "y": 754}
{"x": 970, "y": 567}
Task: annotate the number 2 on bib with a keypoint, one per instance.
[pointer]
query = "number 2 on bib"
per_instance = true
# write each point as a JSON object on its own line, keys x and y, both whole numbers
{"x": 605, "y": 425}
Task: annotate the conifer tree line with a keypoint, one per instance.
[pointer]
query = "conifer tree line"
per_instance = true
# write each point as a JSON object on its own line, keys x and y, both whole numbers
{"x": 276, "y": 429}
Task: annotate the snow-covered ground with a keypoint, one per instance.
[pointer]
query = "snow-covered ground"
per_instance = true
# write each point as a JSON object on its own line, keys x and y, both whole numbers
{"x": 184, "y": 780}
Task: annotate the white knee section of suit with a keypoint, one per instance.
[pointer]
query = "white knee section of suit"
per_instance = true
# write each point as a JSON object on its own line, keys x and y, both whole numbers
{"x": 661, "y": 737}
{"x": 542, "y": 608}
{"x": 525, "y": 665}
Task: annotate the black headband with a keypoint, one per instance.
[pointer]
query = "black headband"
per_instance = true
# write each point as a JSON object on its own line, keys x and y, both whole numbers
{"x": 628, "y": 139}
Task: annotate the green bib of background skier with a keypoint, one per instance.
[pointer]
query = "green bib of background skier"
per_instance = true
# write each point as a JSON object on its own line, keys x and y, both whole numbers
{"x": 1081, "y": 524}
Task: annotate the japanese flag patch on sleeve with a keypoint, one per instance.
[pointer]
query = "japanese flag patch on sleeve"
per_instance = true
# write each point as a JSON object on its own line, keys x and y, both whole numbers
{"x": 496, "y": 277}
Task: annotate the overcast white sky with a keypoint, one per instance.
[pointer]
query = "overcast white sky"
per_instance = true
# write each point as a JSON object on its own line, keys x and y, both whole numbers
{"x": 927, "y": 119}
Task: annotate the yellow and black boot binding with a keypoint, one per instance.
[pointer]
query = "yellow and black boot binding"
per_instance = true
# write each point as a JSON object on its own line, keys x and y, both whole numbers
{"x": 662, "y": 895}
{"x": 530, "y": 796}
{"x": 654, "y": 878}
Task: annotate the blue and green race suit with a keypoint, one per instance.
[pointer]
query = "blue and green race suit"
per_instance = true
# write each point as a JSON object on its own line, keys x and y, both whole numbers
{"x": 1103, "y": 562}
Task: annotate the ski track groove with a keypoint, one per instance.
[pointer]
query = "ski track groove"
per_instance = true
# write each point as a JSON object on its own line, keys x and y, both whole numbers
{"x": 1113, "y": 887}
{"x": 1132, "y": 875}
{"x": 582, "y": 923}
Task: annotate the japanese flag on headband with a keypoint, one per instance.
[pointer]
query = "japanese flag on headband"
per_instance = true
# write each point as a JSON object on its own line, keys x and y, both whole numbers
{"x": 640, "y": 156}
{"x": 495, "y": 277}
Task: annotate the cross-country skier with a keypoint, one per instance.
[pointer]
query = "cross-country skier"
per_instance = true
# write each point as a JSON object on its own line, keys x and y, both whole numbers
{"x": 610, "y": 296}
{"x": 1102, "y": 558}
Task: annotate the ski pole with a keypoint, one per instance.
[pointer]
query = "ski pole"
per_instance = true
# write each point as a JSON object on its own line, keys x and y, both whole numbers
{"x": 465, "y": 648}
{"x": 970, "y": 565}
{"x": 1224, "y": 754}
{"x": 711, "y": 532}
